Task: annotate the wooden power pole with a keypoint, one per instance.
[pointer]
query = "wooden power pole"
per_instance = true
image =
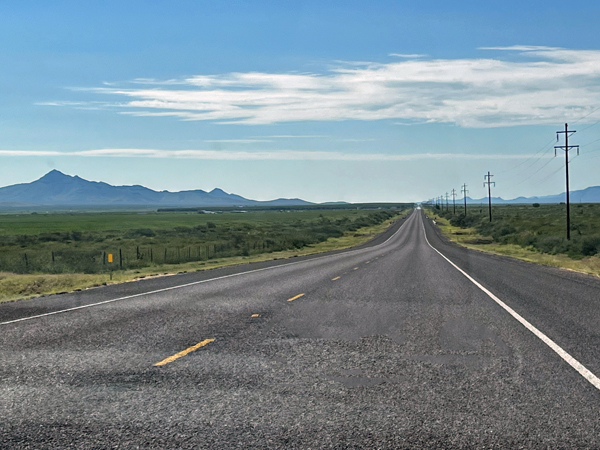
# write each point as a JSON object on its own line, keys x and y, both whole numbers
{"x": 454, "y": 200}
{"x": 489, "y": 183}
{"x": 566, "y": 148}
{"x": 464, "y": 191}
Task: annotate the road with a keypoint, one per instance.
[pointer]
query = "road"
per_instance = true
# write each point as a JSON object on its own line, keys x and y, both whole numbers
{"x": 410, "y": 343}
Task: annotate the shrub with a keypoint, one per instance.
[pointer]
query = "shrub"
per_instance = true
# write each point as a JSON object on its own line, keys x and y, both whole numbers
{"x": 552, "y": 244}
{"x": 464, "y": 221}
{"x": 590, "y": 245}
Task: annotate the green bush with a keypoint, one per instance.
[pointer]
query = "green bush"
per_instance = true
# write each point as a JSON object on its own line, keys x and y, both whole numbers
{"x": 464, "y": 221}
{"x": 590, "y": 245}
{"x": 552, "y": 244}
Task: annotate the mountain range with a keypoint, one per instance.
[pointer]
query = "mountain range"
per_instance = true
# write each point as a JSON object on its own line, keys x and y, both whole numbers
{"x": 55, "y": 189}
{"x": 587, "y": 195}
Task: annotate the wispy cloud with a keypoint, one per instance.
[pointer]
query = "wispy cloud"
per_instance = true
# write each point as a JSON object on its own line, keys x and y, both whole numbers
{"x": 278, "y": 155}
{"x": 357, "y": 140}
{"x": 408, "y": 55}
{"x": 238, "y": 141}
{"x": 295, "y": 136}
{"x": 551, "y": 86}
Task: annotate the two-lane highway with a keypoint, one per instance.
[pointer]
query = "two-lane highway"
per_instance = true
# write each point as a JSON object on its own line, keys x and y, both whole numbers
{"x": 388, "y": 346}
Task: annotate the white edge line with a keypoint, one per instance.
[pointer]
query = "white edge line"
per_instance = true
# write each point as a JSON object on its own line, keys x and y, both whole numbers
{"x": 191, "y": 284}
{"x": 549, "y": 342}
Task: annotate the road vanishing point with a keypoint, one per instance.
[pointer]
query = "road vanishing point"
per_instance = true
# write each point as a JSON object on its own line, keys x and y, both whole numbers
{"x": 407, "y": 342}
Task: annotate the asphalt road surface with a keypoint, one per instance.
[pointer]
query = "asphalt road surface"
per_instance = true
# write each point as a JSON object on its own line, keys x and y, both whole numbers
{"x": 393, "y": 345}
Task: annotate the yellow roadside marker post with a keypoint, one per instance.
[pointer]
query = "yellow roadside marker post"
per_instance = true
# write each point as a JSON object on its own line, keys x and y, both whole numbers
{"x": 110, "y": 260}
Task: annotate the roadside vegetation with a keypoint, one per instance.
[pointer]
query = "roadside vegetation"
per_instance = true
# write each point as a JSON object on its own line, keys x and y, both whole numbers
{"x": 50, "y": 253}
{"x": 533, "y": 232}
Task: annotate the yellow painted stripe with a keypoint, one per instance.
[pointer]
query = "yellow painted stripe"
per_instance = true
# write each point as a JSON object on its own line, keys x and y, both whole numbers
{"x": 254, "y": 315}
{"x": 336, "y": 278}
{"x": 184, "y": 352}
{"x": 295, "y": 297}
{"x": 356, "y": 268}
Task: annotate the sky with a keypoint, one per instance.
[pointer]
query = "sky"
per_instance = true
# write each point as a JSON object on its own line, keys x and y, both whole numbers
{"x": 321, "y": 100}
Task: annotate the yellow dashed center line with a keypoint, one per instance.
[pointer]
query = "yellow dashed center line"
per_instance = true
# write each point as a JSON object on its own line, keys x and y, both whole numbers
{"x": 336, "y": 278}
{"x": 184, "y": 352}
{"x": 356, "y": 268}
{"x": 255, "y": 315}
{"x": 295, "y": 297}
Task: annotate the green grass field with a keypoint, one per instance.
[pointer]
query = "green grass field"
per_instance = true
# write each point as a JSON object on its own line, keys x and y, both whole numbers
{"x": 48, "y": 253}
{"x": 533, "y": 233}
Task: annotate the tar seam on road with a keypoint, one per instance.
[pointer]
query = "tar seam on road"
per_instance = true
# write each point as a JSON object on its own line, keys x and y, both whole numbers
{"x": 184, "y": 352}
{"x": 37, "y": 316}
{"x": 593, "y": 379}
{"x": 295, "y": 297}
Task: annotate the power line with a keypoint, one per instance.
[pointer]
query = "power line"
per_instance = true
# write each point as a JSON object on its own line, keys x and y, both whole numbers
{"x": 537, "y": 171}
{"x": 545, "y": 147}
{"x": 592, "y": 142}
{"x": 557, "y": 170}
{"x": 588, "y": 114}
{"x": 589, "y": 126}
{"x": 553, "y": 173}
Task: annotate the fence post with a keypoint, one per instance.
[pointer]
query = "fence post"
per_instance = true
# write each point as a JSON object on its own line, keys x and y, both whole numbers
{"x": 26, "y": 262}
{"x": 165, "y": 261}
{"x": 151, "y": 255}
{"x": 120, "y": 259}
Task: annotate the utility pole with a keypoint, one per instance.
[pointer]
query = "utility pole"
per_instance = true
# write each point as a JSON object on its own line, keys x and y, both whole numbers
{"x": 454, "y": 200}
{"x": 447, "y": 202}
{"x": 566, "y": 149}
{"x": 464, "y": 191}
{"x": 489, "y": 183}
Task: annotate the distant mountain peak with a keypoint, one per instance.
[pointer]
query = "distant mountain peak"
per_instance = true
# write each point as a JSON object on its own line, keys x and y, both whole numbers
{"x": 55, "y": 175}
{"x": 58, "y": 189}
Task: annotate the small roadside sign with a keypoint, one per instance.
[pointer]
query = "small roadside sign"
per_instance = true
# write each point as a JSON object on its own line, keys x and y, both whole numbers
{"x": 110, "y": 257}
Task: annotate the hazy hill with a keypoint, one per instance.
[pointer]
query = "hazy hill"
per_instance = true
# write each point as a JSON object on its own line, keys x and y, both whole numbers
{"x": 57, "y": 189}
{"x": 587, "y": 195}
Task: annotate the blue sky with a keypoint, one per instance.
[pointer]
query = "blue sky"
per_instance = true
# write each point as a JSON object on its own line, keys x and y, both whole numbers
{"x": 326, "y": 101}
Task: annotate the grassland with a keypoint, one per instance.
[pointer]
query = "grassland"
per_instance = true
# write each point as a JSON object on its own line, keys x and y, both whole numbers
{"x": 531, "y": 233}
{"x": 80, "y": 244}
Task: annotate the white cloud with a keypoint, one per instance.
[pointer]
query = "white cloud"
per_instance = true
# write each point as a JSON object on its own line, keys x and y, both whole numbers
{"x": 552, "y": 85}
{"x": 276, "y": 155}
{"x": 408, "y": 55}
{"x": 238, "y": 141}
{"x": 295, "y": 136}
